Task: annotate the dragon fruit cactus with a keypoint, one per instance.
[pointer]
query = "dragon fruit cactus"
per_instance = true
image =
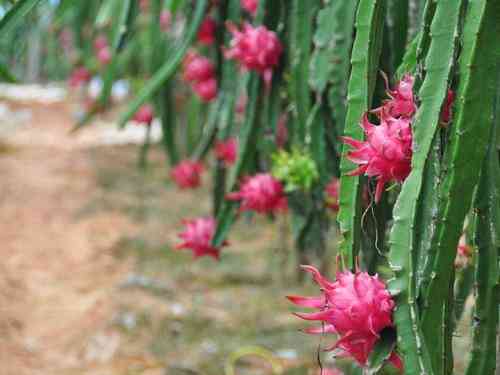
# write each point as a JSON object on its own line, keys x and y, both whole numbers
{"x": 356, "y": 307}
{"x": 255, "y": 48}
{"x": 187, "y": 174}
{"x": 144, "y": 115}
{"x": 332, "y": 191}
{"x": 261, "y": 193}
{"x": 227, "y": 151}
{"x": 206, "y": 33}
{"x": 250, "y": 6}
{"x": 197, "y": 236}
{"x": 386, "y": 153}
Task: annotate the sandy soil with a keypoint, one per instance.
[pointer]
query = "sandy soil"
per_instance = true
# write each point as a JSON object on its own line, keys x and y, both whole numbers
{"x": 57, "y": 273}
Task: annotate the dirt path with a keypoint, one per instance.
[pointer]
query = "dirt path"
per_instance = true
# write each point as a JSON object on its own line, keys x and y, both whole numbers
{"x": 57, "y": 272}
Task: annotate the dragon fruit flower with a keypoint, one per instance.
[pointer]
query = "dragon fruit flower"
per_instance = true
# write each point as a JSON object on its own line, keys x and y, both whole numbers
{"x": 255, "y": 48}
{"x": 197, "y": 236}
{"x": 187, "y": 174}
{"x": 165, "y": 20}
{"x": 386, "y": 153}
{"x": 198, "y": 68}
{"x": 206, "y": 90}
{"x": 356, "y": 307}
{"x": 104, "y": 55}
{"x": 401, "y": 102}
{"x": 332, "y": 192}
{"x": 206, "y": 33}
{"x": 261, "y": 193}
{"x": 250, "y": 6}
{"x": 144, "y": 115}
{"x": 446, "y": 113}
{"x": 79, "y": 77}
{"x": 227, "y": 151}
{"x": 464, "y": 253}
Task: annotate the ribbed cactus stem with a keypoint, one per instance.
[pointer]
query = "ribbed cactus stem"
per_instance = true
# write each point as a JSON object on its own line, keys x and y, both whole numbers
{"x": 465, "y": 153}
{"x": 369, "y": 27}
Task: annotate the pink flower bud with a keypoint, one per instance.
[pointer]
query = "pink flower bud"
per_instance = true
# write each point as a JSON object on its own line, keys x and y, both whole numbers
{"x": 206, "y": 33}
{"x": 227, "y": 151}
{"x": 198, "y": 68}
{"x": 332, "y": 192}
{"x": 79, "y": 76}
{"x": 197, "y": 236}
{"x": 144, "y": 115}
{"x": 187, "y": 174}
{"x": 206, "y": 90}
{"x": 446, "y": 113}
{"x": 165, "y": 20}
{"x": 250, "y": 6}
{"x": 104, "y": 55}
{"x": 100, "y": 42}
{"x": 261, "y": 193}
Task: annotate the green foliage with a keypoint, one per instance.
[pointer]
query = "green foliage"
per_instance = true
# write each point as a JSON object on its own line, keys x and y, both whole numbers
{"x": 296, "y": 169}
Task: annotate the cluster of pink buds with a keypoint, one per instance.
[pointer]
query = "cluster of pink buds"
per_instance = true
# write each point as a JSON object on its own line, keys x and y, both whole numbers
{"x": 227, "y": 151}
{"x": 332, "y": 192}
{"x": 464, "y": 253}
{"x": 206, "y": 32}
{"x": 79, "y": 77}
{"x": 261, "y": 193}
{"x": 387, "y": 151}
{"x": 356, "y": 307}
{"x": 102, "y": 50}
{"x": 255, "y": 48}
{"x": 144, "y": 115}
{"x": 197, "y": 236}
{"x": 250, "y": 6}
{"x": 187, "y": 174}
{"x": 200, "y": 72}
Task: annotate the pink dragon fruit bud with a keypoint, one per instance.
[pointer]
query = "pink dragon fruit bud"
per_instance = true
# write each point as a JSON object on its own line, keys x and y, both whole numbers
{"x": 250, "y": 6}
{"x": 332, "y": 192}
{"x": 165, "y": 20}
{"x": 255, "y": 48}
{"x": 79, "y": 76}
{"x": 227, "y": 151}
{"x": 464, "y": 253}
{"x": 206, "y": 33}
{"x": 206, "y": 90}
{"x": 356, "y": 307}
{"x": 241, "y": 104}
{"x": 446, "y": 113}
{"x": 261, "y": 193}
{"x": 197, "y": 236}
{"x": 144, "y": 5}
{"x": 386, "y": 153}
{"x": 104, "y": 55}
{"x": 144, "y": 115}
{"x": 401, "y": 102}
{"x": 100, "y": 42}
{"x": 198, "y": 68}
{"x": 187, "y": 174}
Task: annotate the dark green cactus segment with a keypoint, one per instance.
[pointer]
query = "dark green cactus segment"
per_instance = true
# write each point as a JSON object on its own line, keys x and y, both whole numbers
{"x": 487, "y": 232}
{"x": 397, "y": 30}
{"x": 467, "y": 149}
{"x": 301, "y": 33}
{"x": 340, "y": 16}
{"x": 369, "y": 25}
{"x": 401, "y": 257}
